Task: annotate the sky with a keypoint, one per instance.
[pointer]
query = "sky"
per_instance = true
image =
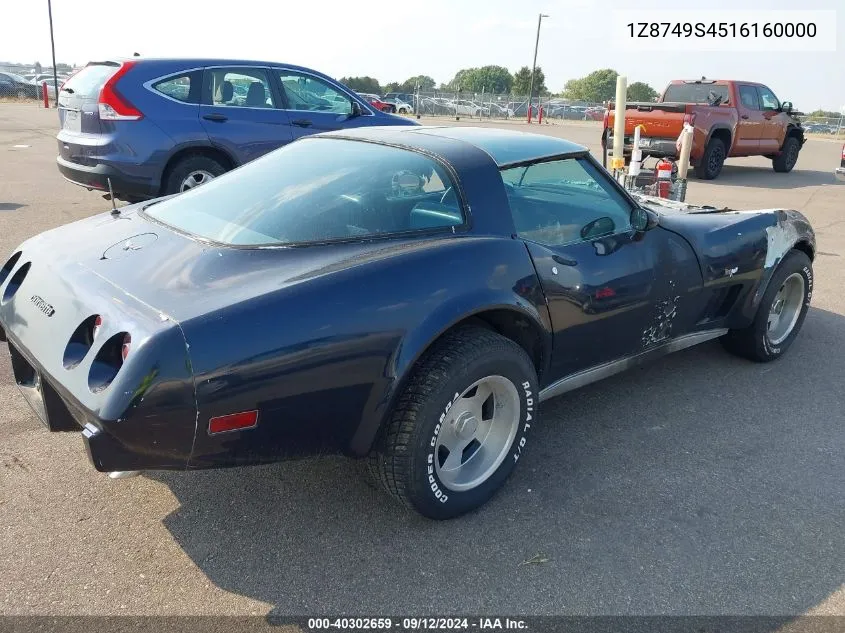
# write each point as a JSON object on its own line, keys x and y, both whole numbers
{"x": 394, "y": 40}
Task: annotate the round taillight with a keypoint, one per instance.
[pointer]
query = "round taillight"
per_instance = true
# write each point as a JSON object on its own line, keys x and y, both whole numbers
{"x": 124, "y": 350}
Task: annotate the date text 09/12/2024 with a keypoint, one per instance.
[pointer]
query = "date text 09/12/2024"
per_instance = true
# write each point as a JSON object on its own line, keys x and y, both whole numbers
{"x": 416, "y": 624}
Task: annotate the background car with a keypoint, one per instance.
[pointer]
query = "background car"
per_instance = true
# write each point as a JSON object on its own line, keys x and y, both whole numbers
{"x": 12, "y": 85}
{"x": 840, "y": 171}
{"x": 152, "y": 127}
{"x": 400, "y": 106}
{"x": 407, "y": 97}
{"x": 377, "y": 103}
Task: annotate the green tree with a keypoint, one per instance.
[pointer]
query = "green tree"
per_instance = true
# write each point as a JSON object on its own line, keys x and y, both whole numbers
{"x": 393, "y": 86}
{"x": 362, "y": 84}
{"x": 522, "y": 81}
{"x": 598, "y": 86}
{"x": 640, "y": 91}
{"x": 425, "y": 82}
{"x": 487, "y": 79}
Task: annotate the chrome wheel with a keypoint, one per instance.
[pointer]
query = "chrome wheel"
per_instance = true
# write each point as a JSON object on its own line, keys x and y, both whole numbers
{"x": 195, "y": 179}
{"x": 786, "y": 308}
{"x": 477, "y": 433}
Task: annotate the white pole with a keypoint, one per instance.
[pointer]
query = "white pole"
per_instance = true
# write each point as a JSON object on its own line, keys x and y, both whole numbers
{"x": 686, "y": 148}
{"x": 618, "y": 161}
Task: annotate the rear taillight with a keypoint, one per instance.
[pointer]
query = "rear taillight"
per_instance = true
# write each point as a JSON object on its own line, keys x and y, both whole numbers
{"x": 843, "y": 152}
{"x": 112, "y": 105}
{"x": 690, "y": 118}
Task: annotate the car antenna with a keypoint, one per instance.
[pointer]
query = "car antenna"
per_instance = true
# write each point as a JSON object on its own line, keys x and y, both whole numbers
{"x": 114, "y": 210}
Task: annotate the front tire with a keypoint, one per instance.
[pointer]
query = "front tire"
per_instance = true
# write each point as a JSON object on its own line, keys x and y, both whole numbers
{"x": 711, "y": 162}
{"x": 785, "y": 161}
{"x": 780, "y": 315}
{"x": 460, "y": 426}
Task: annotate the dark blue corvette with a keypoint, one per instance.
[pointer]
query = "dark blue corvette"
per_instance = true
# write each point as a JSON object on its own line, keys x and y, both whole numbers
{"x": 408, "y": 295}
{"x": 155, "y": 127}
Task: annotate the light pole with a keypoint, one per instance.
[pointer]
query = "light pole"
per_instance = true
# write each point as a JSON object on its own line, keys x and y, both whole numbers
{"x": 534, "y": 65}
{"x": 53, "y": 48}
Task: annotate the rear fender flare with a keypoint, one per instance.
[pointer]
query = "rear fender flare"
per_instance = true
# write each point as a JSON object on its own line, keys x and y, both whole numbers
{"x": 417, "y": 341}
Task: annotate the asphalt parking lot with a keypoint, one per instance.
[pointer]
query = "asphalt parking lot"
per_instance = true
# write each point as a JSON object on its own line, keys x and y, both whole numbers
{"x": 700, "y": 484}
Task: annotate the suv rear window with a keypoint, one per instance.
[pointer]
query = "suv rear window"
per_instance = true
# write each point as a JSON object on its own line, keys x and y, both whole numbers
{"x": 695, "y": 93}
{"x": 88, "y": 81}
{"x": 318, "y": 190}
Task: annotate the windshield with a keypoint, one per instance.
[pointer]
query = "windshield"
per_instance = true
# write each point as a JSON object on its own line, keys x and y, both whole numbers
{"x": 16, "y": 77}
{"x": 695, "y": 93}
{"x": 317, "y": 190}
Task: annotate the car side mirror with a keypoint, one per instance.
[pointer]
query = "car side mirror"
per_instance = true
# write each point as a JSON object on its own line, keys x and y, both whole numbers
{"x": 786, "y": 106}
{"x": 642, "y": 220}
{"x": 356, "y": 109}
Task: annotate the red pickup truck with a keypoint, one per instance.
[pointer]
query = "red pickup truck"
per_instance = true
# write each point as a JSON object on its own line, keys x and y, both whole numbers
{"x": 730, "y": 118}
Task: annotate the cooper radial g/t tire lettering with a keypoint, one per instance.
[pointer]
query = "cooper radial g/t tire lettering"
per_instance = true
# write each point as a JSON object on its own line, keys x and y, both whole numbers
{"x": 780, "y": 315}
{"x": 460, "y": 426}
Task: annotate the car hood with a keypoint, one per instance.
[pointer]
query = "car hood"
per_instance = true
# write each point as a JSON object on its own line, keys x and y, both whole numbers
{"x": 178, "y": 276}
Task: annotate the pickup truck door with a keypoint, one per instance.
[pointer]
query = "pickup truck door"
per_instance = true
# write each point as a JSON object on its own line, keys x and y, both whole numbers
{"x": 750, "y": 122}
{"x": 773, "y": 128}
{"x": 607, "y": 293}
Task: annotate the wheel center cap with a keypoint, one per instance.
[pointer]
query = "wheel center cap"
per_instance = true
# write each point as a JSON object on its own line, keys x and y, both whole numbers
{"x": 466, "y": 424}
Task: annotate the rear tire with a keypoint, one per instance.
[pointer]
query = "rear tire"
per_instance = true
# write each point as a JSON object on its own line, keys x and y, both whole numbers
{"x": 785, "y": 161}
{"x": 780, "y": 315}
{"x": 197, "y": 169}
{"x": 449, "y": 446}
{"x": 709, "y": 166}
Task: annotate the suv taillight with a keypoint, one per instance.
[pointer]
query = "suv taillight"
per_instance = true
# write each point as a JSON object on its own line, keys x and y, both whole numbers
{"x": 112, "y": 105}
{"x": 690, "y": 118}
{"x": 843, "y": 152}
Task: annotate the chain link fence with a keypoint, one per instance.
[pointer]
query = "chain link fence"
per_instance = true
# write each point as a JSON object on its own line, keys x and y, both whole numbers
{"x": 479, "y": 106}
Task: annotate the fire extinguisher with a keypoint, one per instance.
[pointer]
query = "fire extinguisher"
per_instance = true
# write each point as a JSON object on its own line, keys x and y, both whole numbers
{"x": 664, "y": 177}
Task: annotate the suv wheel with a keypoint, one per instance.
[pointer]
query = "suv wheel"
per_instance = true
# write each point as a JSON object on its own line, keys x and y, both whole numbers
{"x": 460, "y": 426}
{"x": 191, "y": 172}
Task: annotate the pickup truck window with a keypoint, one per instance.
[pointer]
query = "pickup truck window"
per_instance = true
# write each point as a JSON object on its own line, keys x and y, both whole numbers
{"x": 564, "y": 201}
{"x": 748, "y": 97}
{"x": 768, "y": 99}
{"x": 696, "y": 93}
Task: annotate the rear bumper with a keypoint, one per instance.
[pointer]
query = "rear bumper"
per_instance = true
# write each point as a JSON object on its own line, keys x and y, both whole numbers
{"x": 840, "y": 173}
{"x": 59, "y": 411}
{"x": 657, "y": 147}
{"x": 98, "y": 176}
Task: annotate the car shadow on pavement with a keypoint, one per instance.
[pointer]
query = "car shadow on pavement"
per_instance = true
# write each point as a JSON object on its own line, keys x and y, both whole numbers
{"x": 754, "y": 176}
{"x": 698, "y": 484}
{"x": 10, "y": 206}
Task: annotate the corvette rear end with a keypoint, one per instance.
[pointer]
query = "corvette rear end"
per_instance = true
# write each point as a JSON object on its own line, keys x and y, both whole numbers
{"x": 83, "y": 354}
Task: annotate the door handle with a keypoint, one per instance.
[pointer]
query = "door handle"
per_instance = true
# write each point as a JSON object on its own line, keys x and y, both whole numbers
{"x": 564, "y": 261}
{"x": 215, "y": 117}
{"x": 744, "y": 116}
{"x": 301, "y": 123}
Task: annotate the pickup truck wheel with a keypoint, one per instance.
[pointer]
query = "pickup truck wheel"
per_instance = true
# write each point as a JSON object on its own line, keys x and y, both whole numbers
{"x": 780, "y": 315}
{"x": 711, "y": 162}
{"x": 785, "y": 161}
{"x": 460, "y": 426}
